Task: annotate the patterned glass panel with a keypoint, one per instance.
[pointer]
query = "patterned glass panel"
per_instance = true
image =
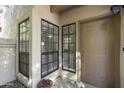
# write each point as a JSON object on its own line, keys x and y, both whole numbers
{"x": 24, "y": 33}
{"x": 69, "y": 47}
{"x": 49, "y": 45}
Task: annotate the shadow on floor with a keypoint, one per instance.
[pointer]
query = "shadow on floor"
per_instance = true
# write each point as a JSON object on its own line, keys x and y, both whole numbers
{"x": 13, "y": 84}
{"x": 86, "y": 85}
{"x": 64, "y": 83}
{"x": 58, "y": 83}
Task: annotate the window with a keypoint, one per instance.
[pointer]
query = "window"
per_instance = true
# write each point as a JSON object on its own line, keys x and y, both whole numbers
{"x": 49, "y": 47}
{"x": 69, "y": 47}
{"x": 24, "y": 47}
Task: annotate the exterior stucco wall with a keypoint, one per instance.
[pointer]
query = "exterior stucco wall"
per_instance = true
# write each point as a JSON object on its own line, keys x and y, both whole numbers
{"x": 0, "y": 22}
{"x": 7, "y": 61}
{"x": 11, "y": 17}
{"x": 38, "y": 13}
{"x": 121, "y": 50}
{"x": 1, "y": 18}
{"x": 22, "y": 13}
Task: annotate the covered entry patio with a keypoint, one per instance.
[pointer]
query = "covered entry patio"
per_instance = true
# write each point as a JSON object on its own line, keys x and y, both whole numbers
{"x": 49, "y": 45}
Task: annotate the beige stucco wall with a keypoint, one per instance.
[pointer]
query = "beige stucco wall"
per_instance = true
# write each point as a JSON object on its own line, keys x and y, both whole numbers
{"x": 39, "y": 12}
{"x": 87, "y": 12}
{"x": 121, "y": 49}
{"x": 83, "y": 12}
{"x": 76, "y": 15}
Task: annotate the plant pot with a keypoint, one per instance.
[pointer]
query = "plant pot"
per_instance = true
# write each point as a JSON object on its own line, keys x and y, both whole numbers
{"x": 45, "y": 83}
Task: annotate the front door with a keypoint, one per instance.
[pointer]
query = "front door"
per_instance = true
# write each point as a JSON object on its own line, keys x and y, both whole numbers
{"x": 98, "y": 48}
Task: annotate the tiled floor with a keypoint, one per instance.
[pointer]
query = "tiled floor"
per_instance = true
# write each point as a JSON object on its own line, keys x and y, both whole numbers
{"x": 64, "y": 83}
{"x": 13, "y": 84}
{"x": 58, "y": 83}
{"x": 86, "y": 85}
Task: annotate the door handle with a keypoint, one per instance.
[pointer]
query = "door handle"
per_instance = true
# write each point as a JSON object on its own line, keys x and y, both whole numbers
{"x": 82, "y": 55}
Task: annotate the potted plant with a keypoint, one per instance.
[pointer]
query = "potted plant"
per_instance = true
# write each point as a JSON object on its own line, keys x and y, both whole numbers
{"x": 45, "y": 83}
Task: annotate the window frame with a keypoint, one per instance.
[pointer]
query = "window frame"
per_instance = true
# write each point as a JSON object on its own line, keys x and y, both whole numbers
{"x": 47, "y": 53}
{"x": 25, "y": 52}
{"x": 69, "y": 47}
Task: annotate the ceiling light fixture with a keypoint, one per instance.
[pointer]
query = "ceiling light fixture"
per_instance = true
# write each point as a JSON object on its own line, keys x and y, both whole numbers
{"x": 116, "y": 9}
